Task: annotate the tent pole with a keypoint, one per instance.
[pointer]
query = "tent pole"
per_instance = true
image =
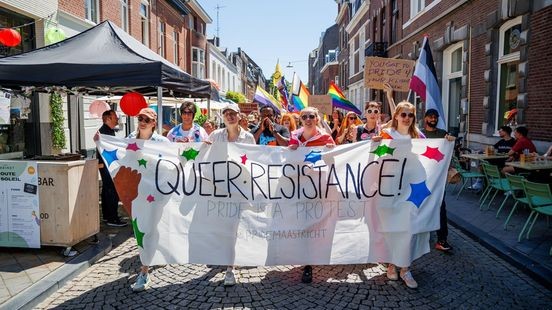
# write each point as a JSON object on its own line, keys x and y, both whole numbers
{"x": 160, "y": 110}
{"x": 208, "y": 108}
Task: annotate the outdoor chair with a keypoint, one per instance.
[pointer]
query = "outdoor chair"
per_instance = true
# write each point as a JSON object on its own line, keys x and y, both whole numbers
{"x": 495, "y": 181}
{"x": 539, "y": 199}
{"x": 518, "y": 193}
{"x": 466, "y": 175}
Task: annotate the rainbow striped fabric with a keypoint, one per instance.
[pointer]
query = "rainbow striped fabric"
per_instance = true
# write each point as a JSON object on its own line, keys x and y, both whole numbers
{"x": 339, "y": 100}
{"x": 299, "y": 94}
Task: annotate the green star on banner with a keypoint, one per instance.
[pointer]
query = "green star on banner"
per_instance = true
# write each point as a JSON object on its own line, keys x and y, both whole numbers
{"x": 142, "y": 162}
{"x": 137, "y": 233}
{"x": 382, "y": 150}
{"x": 190, "y": 153}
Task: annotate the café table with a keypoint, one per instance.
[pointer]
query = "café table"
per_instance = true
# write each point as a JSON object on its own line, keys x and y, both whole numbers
{"x": 475, "y": 156}
{"x": 539, "y": 171}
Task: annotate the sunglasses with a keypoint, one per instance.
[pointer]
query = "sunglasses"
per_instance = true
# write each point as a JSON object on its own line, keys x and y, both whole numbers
{"x": 144, "y": 119}
{"x": 404, "y": 115}
{"x": 372, "y": 111}
{"x": 186, "y": 112}
{"x": 352, "y": 117}
{"x": 311, "y": 116}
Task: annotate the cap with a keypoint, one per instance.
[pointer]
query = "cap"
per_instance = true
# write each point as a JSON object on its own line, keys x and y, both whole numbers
{"x": 149, "y": 112}
{"x": 432, "y": 112}
{"x": 233, "y": 107}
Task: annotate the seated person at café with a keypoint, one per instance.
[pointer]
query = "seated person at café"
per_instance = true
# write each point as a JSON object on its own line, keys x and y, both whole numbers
{"x": 506, "y": 142}
{"x": 523, "y": 143}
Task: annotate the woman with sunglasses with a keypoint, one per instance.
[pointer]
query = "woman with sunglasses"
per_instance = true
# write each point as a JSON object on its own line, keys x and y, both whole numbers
{"x": 309, "y": 135}
{"x": 347, "y": 131}
{"x": 372, "y": 127}
{"x": 147, "y": 120}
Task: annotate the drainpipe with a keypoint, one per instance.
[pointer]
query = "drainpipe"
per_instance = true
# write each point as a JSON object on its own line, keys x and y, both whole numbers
{"x": 469, "y": 86}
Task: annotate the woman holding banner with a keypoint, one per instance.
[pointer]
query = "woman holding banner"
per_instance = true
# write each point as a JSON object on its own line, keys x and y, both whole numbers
{"x": 309, "y": 135}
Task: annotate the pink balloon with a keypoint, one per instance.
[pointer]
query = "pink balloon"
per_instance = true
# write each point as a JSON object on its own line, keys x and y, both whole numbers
{"x": 97, "y": 107}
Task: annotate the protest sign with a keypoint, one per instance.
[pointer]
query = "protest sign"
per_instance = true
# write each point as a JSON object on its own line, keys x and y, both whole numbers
{"x": 322, "y": 102}
{"x": 238, "y": 204}
{"x": 396, "y": 72}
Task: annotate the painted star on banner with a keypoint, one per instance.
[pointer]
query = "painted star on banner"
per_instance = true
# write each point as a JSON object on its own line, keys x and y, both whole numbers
{"x": 142, "y": 162}
{"x": 110, "y": 156}
{"x": 382, "y": 150}
{"x": 150, "y": 198}
{"x": 190, "y": 153}
{"x": 313, "y": 156}
{"x": 133, "y": 147}
{"x": 433, "y": 153}
{"x": 243, "y": 158}
{"x": 137, "y": 233}
{"x": 419, "y": 192}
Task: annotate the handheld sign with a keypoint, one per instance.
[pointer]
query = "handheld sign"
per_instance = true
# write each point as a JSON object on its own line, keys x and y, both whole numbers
{"x": 322, "y": 102}
{"x": 396, "y": 72}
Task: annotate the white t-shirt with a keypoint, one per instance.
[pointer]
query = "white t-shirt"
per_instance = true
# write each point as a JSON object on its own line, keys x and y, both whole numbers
{"x": 221, "y": 135}
{"x": 195, "y": 134}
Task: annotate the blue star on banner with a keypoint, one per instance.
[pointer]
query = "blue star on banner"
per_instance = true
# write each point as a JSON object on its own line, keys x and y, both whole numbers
{"x": 313, "y": 156}
{"x": 433, "y": 153}
{"x": 110, "y": 156}
{"x": 419, "y": 192}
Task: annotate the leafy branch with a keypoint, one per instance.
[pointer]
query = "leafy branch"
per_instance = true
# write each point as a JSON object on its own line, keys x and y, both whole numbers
{"x": 56, "y": 115}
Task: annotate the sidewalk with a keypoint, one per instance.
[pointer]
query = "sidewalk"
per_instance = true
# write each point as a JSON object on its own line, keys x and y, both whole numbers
{"x": 28, "y": 276}
{"x": 530, "y": 255}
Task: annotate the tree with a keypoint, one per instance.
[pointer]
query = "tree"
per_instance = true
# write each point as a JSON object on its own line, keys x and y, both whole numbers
{"x": 235, "y": 96}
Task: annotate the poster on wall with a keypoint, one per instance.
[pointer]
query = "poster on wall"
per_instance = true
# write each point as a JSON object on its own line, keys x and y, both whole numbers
{"x": 5, "y": 99}
{"x": 19, "y": 211}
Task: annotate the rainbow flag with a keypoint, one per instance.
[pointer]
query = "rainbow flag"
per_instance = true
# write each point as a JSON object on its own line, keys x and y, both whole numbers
{"x": 299, "y": 93}
{"x": 339, "y": 100}
{"x": 262, "y": 97}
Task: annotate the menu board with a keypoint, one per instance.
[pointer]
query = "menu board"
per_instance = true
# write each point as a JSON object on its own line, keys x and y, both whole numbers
{"x": 19, "y": 211}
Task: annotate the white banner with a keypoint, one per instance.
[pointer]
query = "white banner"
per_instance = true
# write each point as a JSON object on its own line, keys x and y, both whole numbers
{"x": 235, "y": 204}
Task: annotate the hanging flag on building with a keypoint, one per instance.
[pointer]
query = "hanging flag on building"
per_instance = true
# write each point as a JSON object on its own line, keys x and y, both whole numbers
{"x": 339, "y": 100}
{"x": 299, "y": 93}
{"x": 262, "y": 97}
{"x": 284, "y": 95}
{"x": 424, "y": 83}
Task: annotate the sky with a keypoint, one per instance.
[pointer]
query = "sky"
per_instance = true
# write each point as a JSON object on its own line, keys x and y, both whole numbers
{"x": 268, "y": 31}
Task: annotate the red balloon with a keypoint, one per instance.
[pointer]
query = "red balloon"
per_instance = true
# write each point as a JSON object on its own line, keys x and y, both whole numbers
{"x": 10, "y": 37}
{"x": 132, "y": 103}
{"x": 203, "y": 111}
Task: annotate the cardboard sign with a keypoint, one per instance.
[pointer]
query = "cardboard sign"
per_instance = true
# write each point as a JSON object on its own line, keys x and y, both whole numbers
{"x": 248, "y": 107}
{"x": 322, "y": 102}
{"x": 396, "y": 72}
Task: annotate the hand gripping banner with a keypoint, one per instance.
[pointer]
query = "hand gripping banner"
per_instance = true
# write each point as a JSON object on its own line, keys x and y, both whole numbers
{"x": 235, "y": 204}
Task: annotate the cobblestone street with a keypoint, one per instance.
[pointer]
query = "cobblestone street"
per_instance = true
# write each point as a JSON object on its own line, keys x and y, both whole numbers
{"x": 471, "y": 277}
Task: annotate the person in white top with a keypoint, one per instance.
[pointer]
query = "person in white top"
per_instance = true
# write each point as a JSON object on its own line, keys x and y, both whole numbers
{"x": 187, "y": 131}
{"x": 232, "y": 132}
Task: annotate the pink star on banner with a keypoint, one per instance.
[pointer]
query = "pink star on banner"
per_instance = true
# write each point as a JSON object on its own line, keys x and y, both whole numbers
{"x": 243, "y": 158}
{"x": 433, "y": 153}
{"x": 133, "y": 147}
{"x": 150, "y": 198}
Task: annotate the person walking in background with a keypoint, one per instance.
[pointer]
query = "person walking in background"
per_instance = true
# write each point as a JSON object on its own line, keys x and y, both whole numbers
{"x": 110, "y": 199}
{"x": 244, "y": 124}
{"x": 188, "y": 130}
{"x": 430, "y": 130}
{"x": 289, "y": 122}
{"x": 337, "y": 118}
{"x": 209, "y": 126}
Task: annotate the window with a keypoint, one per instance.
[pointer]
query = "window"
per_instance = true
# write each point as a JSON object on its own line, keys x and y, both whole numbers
{"x": 508, "y": 62}
{"x": 161, "y": 39}
{"x": 124, "y": 15}
{"x": 16, "y": 114}
{"x": 394, "y": 21}
{"x": 144, "y": 23}
{"x": 198, "y": 63}
{"x": 452, "y": 86}
{"x": 176, "y": 55}
{"x": 91, "y": 11}
{"x": 355, "y": 61}
{"x": 416, "y": 6}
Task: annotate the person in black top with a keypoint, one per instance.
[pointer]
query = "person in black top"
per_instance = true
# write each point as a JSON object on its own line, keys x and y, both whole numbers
{"x": 268, "y": 132}
{"x": 504, "y": 145}
{"x": 430, "y": 130}
{"x": 110, "y": 199}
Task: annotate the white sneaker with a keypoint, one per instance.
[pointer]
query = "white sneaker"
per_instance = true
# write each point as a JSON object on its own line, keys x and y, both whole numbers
{"x": 143, "y": 281}
{"x": 229, "y": 278}
{"x": 392, "y": 272}
{"x": 409, "y": 280}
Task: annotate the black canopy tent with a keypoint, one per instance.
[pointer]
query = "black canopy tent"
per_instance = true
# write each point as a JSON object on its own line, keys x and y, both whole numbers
{"x": 103, "y": 60}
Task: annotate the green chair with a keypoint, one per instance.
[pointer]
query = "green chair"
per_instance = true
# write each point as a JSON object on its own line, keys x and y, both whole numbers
{"x": 465, "y": 174}
{"x": 495, "y": 181}
{"x": 518, "y": 193}
{"x": 539, "y": 199}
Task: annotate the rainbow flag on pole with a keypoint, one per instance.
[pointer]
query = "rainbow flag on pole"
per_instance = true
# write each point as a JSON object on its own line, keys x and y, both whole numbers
{"x": 299, "y": 93}
{"x": 262, "y": 97}
{"x": 339, "y": 100}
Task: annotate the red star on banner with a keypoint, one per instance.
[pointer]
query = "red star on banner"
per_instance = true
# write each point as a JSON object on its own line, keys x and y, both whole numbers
{"x": 433, "y": 153}
{"x": 243, "y": 158}
{"x": 150, "y": 198}
{"x": 133, "y": 147}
